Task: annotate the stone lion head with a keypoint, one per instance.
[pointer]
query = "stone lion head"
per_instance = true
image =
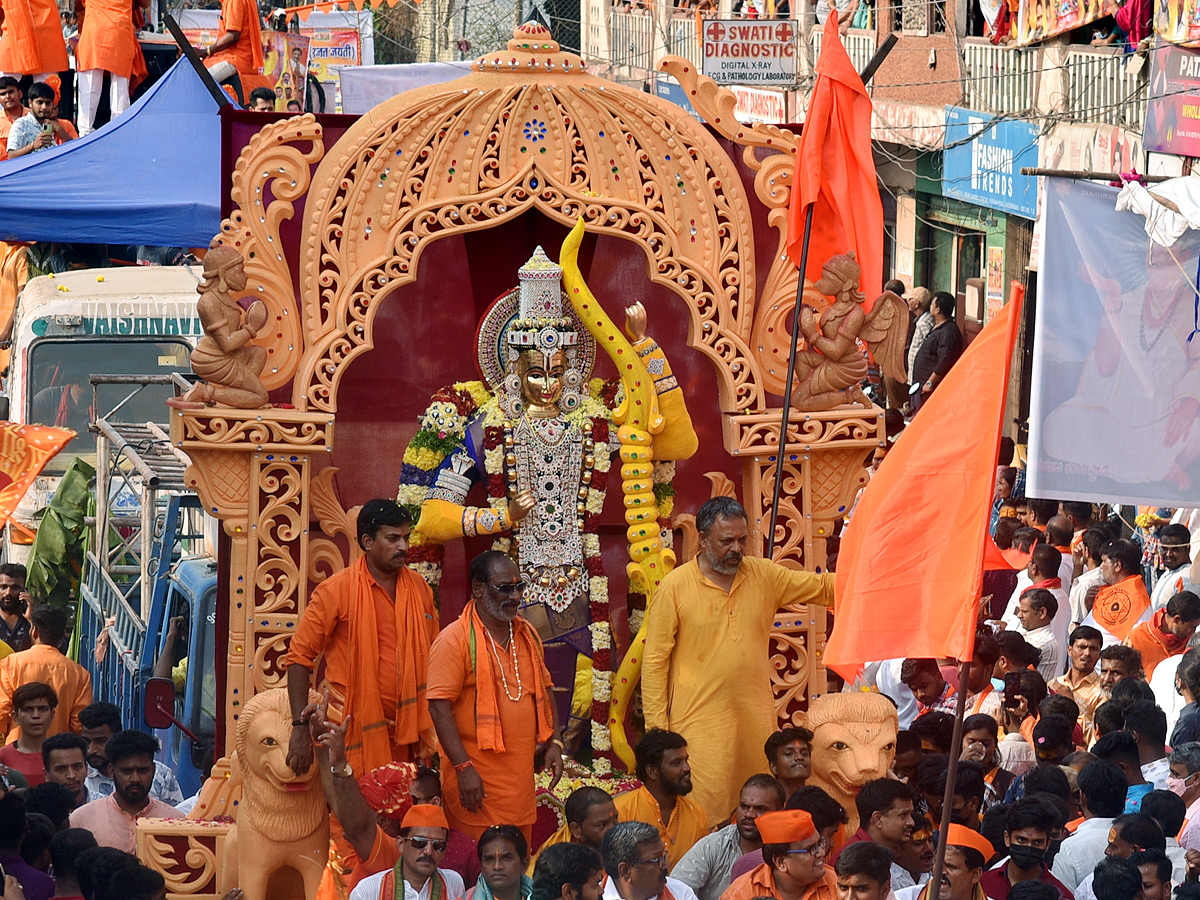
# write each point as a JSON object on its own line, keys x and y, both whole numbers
{"x": 854, "y": 741}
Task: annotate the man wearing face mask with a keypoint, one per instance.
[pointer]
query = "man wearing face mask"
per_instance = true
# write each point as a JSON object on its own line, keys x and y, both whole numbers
{"x": 1184, "y": 780}
{"x": 1027, "y": 835}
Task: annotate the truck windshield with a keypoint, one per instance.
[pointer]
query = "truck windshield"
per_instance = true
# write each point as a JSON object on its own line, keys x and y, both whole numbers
{"x": 60, "y": 393}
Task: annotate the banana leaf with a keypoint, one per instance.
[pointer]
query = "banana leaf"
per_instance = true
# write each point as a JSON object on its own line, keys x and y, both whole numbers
{"x": 56, "y": 556}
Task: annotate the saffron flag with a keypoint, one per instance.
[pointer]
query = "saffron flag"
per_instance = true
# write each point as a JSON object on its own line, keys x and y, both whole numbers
{"x": 1119, "y": 607}
{"x": 835, "y": 171}
{"x": 911, "y": 565}
{"x": 24, "y": 451}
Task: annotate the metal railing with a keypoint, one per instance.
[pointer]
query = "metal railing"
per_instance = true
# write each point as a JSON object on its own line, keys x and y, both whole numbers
{"x": 997, "y": 78}
{"x": 119, "y": 680}
{"x": 682, "y": 39}
{"x": 631, "y": 36}
{"x": 1101, "y": 89}
{"x": 860, "y": 45}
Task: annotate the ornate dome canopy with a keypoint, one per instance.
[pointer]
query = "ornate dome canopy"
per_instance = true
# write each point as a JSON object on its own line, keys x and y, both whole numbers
{"x": 528, "y": 128}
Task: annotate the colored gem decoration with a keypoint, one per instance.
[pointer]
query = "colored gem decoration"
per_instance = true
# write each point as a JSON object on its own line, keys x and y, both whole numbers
{"x": 535, "y": 130}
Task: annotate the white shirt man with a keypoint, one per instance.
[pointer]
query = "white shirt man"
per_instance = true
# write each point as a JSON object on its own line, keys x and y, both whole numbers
{"x": 1081, "y": 851}
{"x": 423, "y": 833}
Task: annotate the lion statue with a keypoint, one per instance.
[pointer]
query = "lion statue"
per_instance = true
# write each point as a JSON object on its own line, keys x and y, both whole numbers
{"x": 279, "y": 844}
{"x": 854, "y": 741}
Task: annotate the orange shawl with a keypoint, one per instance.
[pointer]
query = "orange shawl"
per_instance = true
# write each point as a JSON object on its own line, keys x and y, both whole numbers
{"x": 367, "y": 726}
{"x": 489, "y": 734}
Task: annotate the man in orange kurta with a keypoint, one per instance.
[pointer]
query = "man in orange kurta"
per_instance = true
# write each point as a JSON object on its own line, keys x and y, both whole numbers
{"x": 705, "y": 664}
{"x": 1167, "y": 633}
{"x": 43, "y": 662}
{"x": 31, "y": 39}
{"x": 489, "y": 696}
{"x": 373, "y": 623}
{"x": 239, "y": 43}
{"x": 107, "y": 43}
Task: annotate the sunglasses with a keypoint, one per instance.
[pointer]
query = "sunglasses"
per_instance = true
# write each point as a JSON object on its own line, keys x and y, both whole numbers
{"x": 514, "y": 587}
{"x": 420, "y": 843}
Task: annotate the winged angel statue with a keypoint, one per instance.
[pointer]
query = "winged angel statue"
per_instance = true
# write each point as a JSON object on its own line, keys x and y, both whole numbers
{"x": 831, "y": 368}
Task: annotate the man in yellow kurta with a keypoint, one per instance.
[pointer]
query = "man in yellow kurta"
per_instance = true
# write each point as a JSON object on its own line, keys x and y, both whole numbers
{"x": 706, "y": 672}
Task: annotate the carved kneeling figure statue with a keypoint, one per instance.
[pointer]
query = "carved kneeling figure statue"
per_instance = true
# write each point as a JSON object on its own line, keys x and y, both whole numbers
{"x": 282, "y": 821}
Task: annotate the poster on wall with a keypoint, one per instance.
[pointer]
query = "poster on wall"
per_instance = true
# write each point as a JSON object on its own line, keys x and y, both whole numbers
{"x": 285, "y": 62}
{"x": 1178, "y": 21}
{"x": 995, "y": 281}
{"x": 328, "y": 50}
{"x": 1172, "y": 111}
{"x": 1114, "y": 414}
{"x": 1041, "y": 19}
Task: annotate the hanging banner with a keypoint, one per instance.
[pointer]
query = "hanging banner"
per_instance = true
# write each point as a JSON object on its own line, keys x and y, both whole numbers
{"x": 1041, "y": 19}
{"x": 1173, "y": 110}
{"x": 285, "y": 63}
{"x": 1178, "y": 21}
{"x": 1115, "y": 401}
{"x": 24, "y": 451}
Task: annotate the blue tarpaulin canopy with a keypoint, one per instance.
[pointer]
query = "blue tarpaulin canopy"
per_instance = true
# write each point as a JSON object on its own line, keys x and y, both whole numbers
{"x": 151, "y": 176}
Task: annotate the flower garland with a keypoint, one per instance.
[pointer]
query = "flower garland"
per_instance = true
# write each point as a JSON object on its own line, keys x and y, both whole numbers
{"x": 593, "y": 409}
{"x": 443, "y": 430}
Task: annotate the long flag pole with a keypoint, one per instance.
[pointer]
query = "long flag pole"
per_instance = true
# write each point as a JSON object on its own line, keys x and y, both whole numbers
{"x": 960, "y": 711}
{"x": 791, "y": 376}
{"x": 867, "y": 73}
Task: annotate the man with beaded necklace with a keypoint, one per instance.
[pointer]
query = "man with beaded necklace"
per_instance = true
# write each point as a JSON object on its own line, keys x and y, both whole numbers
{"x": 490, "y": 701}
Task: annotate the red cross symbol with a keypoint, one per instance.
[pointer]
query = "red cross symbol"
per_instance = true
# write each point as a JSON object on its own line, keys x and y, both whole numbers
{"x": 783, "y": 32}
{"x": 716, "y": 32}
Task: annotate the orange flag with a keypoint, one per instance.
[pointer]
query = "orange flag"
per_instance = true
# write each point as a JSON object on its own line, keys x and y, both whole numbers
{"x": 24, "y": 451}
{"x": 911, "y": 565}
{"x": 835, "y": 170}
{"x": 1118, "y": 607}
{"x": 994, "y": 558}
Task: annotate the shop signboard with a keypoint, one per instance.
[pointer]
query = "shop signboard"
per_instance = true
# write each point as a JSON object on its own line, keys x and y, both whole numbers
{"x": 982, "y": 161}
{"x": 750, "y": 51}
{"x": 1173, "y": 110}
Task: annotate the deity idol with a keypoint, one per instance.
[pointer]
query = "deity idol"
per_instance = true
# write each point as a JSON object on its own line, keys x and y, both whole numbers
{"x": 536, "y": 434}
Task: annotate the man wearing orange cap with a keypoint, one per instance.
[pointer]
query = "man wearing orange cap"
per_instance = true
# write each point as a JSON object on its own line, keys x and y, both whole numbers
{"x": 370, "y": 811}
{"x": 793, "y": 865}
{"x": 489, "y": 696}
{"x": 422, "y": 842}
{"x": 967, "y": 853}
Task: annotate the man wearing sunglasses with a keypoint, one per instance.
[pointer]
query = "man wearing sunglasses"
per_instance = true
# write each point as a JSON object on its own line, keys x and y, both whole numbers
{"x": 490, "y": 699}
{"x": 422, "y": 843}
{"x": 793, "y": 865}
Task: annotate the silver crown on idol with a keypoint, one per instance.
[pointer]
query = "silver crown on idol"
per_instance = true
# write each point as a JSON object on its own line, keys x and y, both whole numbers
{"x": 540, "y": 323}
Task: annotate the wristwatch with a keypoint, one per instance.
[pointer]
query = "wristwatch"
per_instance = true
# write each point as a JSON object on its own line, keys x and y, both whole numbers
{"x": 344, "y": 772}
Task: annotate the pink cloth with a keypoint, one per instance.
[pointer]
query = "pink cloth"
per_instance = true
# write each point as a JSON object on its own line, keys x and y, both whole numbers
{"x": 1134, "y": 18}
{"x": 112, "y": 826}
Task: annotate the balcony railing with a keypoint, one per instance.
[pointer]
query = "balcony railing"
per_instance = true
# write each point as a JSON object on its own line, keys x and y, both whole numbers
{"x": 999, "y": 79}
{"x": 632, "y": 37}
{"x": 1100, "y": 88}
{"x": 682, "y": 39}
{"x": 860, "y": 45}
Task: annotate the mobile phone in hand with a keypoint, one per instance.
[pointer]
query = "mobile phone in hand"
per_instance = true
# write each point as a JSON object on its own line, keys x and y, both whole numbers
{"x": 1012, "y": 687}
